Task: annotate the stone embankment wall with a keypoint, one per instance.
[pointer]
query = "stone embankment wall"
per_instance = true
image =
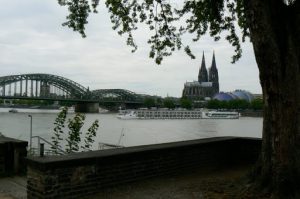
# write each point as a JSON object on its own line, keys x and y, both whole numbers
{"x": 81, "y": 174}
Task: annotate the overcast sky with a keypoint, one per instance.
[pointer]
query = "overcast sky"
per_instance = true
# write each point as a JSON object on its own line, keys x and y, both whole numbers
{"x": 32, "y": 40}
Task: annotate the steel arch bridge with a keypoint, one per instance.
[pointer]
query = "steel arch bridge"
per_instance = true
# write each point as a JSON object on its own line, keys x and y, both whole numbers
{"x": 120, "y": 95}
{"x": 70, "y": 87}
{"x": 53, "y": 87}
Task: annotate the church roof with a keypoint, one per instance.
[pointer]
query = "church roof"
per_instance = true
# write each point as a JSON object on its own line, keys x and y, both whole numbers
{"x": 198, "y": 84}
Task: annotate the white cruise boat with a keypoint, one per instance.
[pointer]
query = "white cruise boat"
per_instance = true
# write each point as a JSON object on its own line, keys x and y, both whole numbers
{"x": 220, "y": 115}
{"x": 175, "y": 114}
{"x": 127, "y": 115}
{"x": 160, "y": 114}
{"x": 13, "y": 110}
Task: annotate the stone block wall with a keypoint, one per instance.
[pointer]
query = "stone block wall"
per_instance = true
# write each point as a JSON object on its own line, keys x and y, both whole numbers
{"x": 81, "y": 174}
{"x": 87, "y": 107}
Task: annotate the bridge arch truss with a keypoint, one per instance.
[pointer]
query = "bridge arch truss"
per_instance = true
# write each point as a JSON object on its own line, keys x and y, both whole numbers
{"x": 121, "y": 95}
{"x": 53, "y": 87}
{"x": 40, "y": 85}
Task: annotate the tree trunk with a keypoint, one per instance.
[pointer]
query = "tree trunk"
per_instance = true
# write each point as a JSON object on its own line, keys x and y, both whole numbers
{"x": 275, "y": 34}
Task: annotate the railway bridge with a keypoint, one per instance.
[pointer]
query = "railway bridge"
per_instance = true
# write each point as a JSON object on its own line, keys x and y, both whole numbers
{"x": 39, "y": 86}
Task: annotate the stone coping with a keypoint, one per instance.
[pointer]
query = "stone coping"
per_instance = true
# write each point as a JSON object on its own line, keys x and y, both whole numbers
{"x": 84, "y": 158}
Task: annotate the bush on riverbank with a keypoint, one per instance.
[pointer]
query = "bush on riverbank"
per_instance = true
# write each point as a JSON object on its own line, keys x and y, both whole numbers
{"x": 73, "y": 134}
{"x": 256, "y": 104}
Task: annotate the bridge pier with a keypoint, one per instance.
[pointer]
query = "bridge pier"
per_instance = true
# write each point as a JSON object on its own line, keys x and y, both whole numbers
{"x": 87, "y": 107}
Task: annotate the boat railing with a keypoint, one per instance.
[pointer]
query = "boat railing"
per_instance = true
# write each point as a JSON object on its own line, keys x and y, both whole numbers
{"x": 102, "y": 146}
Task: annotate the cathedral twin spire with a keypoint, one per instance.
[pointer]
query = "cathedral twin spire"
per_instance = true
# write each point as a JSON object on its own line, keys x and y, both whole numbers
{"x": 212, "y": 75}
{"x": 207, "y": 85}
{"x": 203, "y": 75}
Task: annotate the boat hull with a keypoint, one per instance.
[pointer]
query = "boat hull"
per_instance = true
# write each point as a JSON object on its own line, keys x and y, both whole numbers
{"x": 175, "y": 114}
{"x": 220, "y": 115}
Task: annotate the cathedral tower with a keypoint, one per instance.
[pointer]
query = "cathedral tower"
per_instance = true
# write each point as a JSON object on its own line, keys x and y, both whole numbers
{"x": 207, "y": 84}
{"x": 203, "y": 75}
{"x": 213, "y": 75}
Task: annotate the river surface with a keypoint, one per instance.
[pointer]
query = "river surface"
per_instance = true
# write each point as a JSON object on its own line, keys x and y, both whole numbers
{"x": 129, "y": 132}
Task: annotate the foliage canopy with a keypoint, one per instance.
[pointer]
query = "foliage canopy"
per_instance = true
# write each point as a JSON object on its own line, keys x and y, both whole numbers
{"x": 201, "y": 17}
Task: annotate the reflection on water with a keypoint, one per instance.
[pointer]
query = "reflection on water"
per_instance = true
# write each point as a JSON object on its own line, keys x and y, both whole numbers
{"x": 136, "y": 132}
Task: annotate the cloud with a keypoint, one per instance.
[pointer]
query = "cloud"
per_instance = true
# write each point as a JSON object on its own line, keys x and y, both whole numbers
{"x": 33, "y": 41}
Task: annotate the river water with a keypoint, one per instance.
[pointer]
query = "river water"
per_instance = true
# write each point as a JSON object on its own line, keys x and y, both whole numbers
{"x": 129, "y": 132}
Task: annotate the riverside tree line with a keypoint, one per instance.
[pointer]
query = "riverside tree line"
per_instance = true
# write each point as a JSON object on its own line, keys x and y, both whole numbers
{"x": 168, "y": 102}
{"x": 171, "y": 103}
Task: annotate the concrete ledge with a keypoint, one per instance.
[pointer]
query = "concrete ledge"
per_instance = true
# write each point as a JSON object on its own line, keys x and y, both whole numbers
{"x": 80, "y": 174}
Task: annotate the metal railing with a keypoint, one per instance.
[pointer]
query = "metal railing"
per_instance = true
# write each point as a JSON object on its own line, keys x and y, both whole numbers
{"x": 40, "y": 150}
{"x": 54, "y": 150}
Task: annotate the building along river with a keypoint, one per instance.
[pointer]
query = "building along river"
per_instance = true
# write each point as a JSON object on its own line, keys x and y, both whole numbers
{"x": 128, "y": 132}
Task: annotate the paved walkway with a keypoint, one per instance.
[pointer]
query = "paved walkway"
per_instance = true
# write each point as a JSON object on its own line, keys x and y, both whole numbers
{"x": 194, "y": 185}
{"x": 13, "y": 188}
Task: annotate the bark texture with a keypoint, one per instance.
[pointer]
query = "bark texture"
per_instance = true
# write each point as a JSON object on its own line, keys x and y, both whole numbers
{"x": 275, "y": 34}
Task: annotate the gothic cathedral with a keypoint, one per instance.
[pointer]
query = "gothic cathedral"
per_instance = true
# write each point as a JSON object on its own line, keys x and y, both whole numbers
{"x": 207, "y": 84}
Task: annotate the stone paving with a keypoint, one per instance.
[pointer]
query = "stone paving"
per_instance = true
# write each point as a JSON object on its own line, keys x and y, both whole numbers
{"x": 194, "y": 185}
{"x": 13, "y": 187}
